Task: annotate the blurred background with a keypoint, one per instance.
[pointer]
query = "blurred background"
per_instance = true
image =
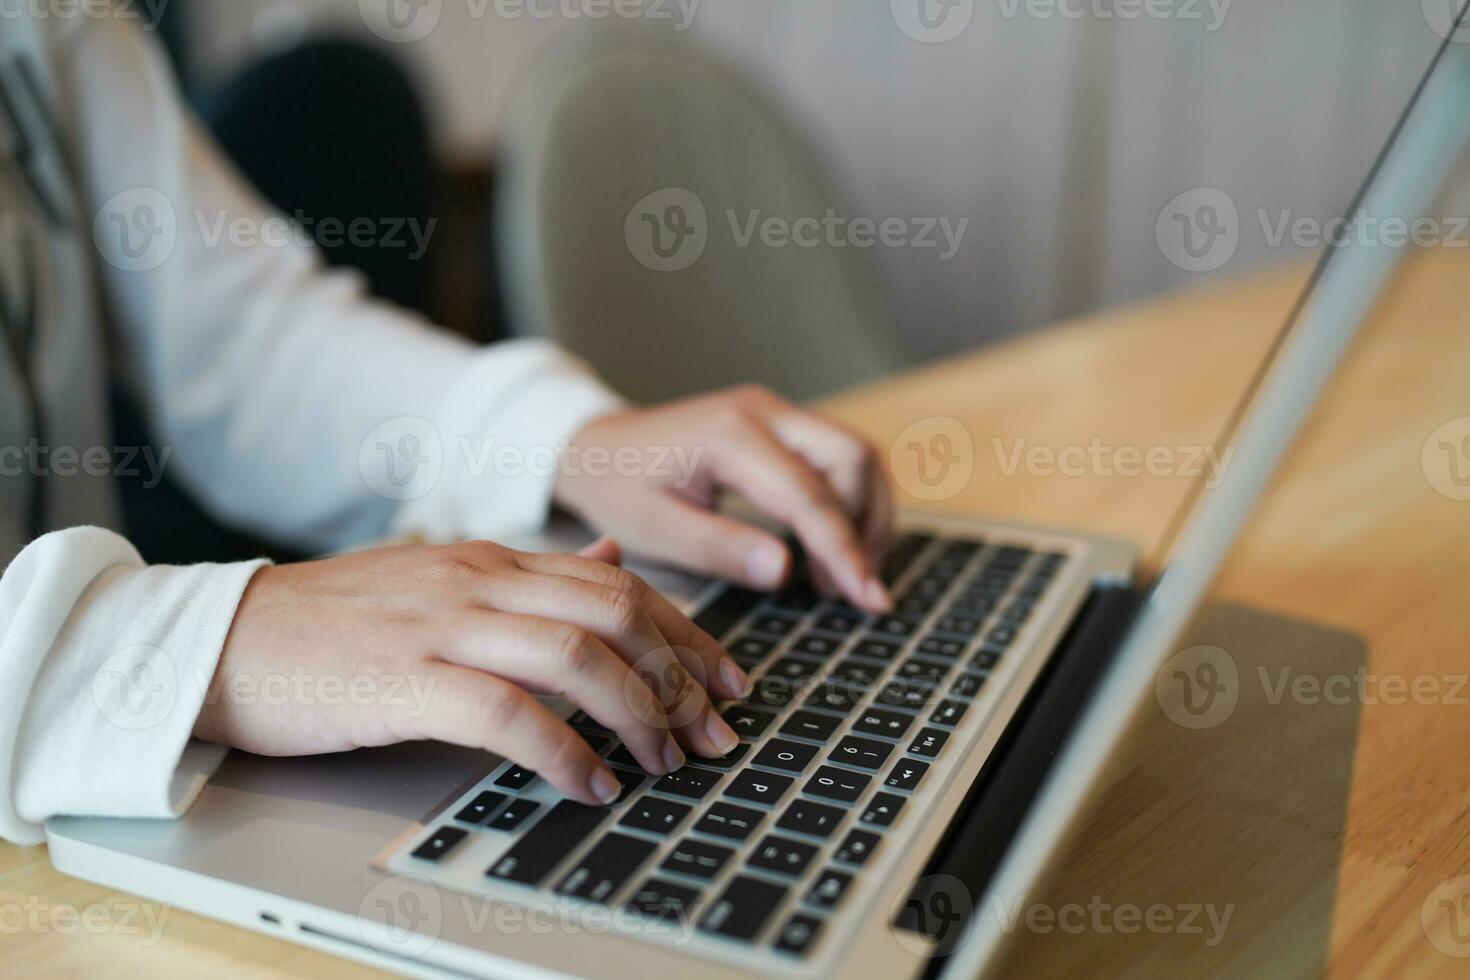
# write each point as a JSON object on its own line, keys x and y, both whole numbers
{"x": 806, "y": 194}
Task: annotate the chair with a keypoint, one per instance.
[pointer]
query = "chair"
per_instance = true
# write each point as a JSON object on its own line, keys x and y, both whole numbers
{"x": 617, "y": 137}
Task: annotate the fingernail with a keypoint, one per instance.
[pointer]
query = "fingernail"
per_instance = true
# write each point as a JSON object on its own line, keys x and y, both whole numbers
{"x": 605, "y": 786}
{"x": 877, "y": 596}
{"x": 735, "y": 679}
{"x": 766, "y": 566}
{"x": 721, "y": 734}
{"x": 673, "y": 755}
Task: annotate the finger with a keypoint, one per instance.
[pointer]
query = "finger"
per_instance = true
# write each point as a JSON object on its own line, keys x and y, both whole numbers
{"x": 605, "y": 550}
{"x": 705, "y": 665}
{"x": 784, "y": 485}
{"x": 568, "y": 660}
{"x": 877, "y": 522}
{"x": 479, "y": 711}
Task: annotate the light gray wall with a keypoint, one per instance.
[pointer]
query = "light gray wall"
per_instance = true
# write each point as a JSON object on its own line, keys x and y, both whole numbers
{"x": 1061, "y": 138}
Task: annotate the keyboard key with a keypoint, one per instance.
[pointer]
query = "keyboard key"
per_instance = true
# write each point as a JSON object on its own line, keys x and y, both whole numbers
{"x": 798, "y": 934}
{"x": 750, "y": 650}
{"x": 743, "y": 908}
{"x": 875, "y": 649}
{"x": 759, "y": 787}
{"x": 999, "y": 637}
{"x": 655, "y": 816}
{"x": 516, "y": 778}
{"x": 782, "y": 855}
{"x": 440, "y": 843}
{"x": 595, "y": 741}
{"x": 896, "y": 626}
{"x": 729, "y": 759}
{"x": 949, "y": 713}
{"x": 771, "y": 691}
{"x": 725, "y": 610}
{"x": 882, "y": 809}
{"x": 779, "y": 753}
{"x": 915, "y": 670}
{"x": 480, "y": 807}
{"x": 808, "y": 817}
{"x": 967, "y": 685}
{"x": 514, "y": 815}
{"x": 940, "y": 648}
{"x": 973, "y": 605}
{"x": 620, "y": 756}
{"x": 793, "y": 668}
{"x": 836, "y": 784}
{"x": 690, "y": 782}
{"x": 632, "y": 782}
{"x": 915, "y": 606}
{"x": 828, "y": 889}
{"x": 906, "y": 774}
{"x": 773, "y": 625}
{"x": 986, "y": 659}
{"x": 878, "y": 721}
{"x": 965, "y": 626}
{"x": 729, "y": 820}
{"x": 865, "y": 753}
{"x": 814, "y": 645}
{"x": 928, "y": 743}
{"x": 833, "y": 694}
{"x": 1010, "y": 557}
{"x": 603, "y": 870}
{"x": 861, "y": 676}
{"x": 697, "y": 858}
{"x": 857, "y": 847}
{"x": 542, "y": 847}
{"x": 584, "y": 723}
{"x": 748, "y": 722}
{"x": 797, "y": 599}
{"x": 839, "y": 622}
{"x": 809, "y": 724}
{"x": 901, "y": 556}
{"x": 908, "y": 695}
{"x": 1017, "y": 612}
{"x": 664, "y": 901}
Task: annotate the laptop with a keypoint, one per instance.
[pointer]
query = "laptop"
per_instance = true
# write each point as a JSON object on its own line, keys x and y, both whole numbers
{"x": 896, "y": 775}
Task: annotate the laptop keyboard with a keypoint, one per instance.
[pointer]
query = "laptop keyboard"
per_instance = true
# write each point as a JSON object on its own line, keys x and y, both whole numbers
{"x": 849, "y": 716}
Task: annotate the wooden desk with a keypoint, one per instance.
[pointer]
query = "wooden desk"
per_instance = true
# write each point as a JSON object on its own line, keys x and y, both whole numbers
{"x": 1352, "y": 535}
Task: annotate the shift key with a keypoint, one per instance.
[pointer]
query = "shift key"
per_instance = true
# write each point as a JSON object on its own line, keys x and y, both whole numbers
{"x": 742, "y": 908}
{"x": 543, "y": 846}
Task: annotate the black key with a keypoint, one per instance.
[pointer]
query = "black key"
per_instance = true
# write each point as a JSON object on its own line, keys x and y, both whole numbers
{"x": 808, "y": 724}
{"x": 808, "y": 817}
{"x": 689, "y": 782}
{"x": 915, "y": 606}
{"x": 965, "y": 626}
{"x": 875, "y": 649}
{"x": 727, "y": 609}
{"x": 928, "y": 743}
{"x": 516, "y": 778}
{"x": 775, "y": 692}
{"x": 759, "y": 787}
{"x": 729, "y": 820}
{"x": 697, "y": 858}
{"x": 1017, "y": 612}
{"x": 837, "y": 784}
{"x": 878, "y": 721}
{"x": 779, "y": 753}
{"x": 921, "y": 671}
{"x": 865, "y": 753}
{"x": 584, "y": 723}
{"x": 798, "y": 934}
{"x": 595, "y": 741}
{"x": 748, "y": 722}
{"x": 743, "y": 908}
{"x": 1010, "y": 557}
{"x": 813, "y": 645}
{"x": 655, "y": 815}
{"x": 930, "y": 587}
{"x": 973, "y": 605}
{"x": 902, "y": 555}
{"x": 906, "y": 774}
{"x": 949, "y": 713}
{"x": 1000, "y": 637}
{"x": 620, "y": 756}
{"x": 663, "y": 900}
{"x": 858, "y": 674}
{"x": 480, "y": 807}
{"x": 793, "y": 668}
{"x": 940, "y": 648}
{"x": 631, "y": 782}
{"x": 828, "y": 889}
{"x": 727, "y": 760}
{"x": 750, "y": 650}
{"x": 543, "y": 846}
{"x": 1033, "y": 588}
{"x": 782, "y": 855}
{"x": 834, "y": 694}
{"x": 908, "y": 695}
{"x": 985, "y": 659}
{"x": 882, "y": 809}
{"x": 967, "y": 685}
{"x": 602, "y": 870}
{"x": 840, "y": 622}
{"x": 440, "y": 844}
{"x": 896, "y": 626}
{"x": 773, "y": 625}
{"x": 798, "y": 599}
{"x": 514, "y": 815}
{"x": 856, "y": 847}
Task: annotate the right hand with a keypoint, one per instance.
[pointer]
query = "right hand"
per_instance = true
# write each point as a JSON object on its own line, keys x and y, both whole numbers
{"x": 480, "y": 629}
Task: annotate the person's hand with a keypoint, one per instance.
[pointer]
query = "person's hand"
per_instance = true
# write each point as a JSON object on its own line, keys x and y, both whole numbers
{"x": 451, "y": 642}
{"x": 812, "y": 475}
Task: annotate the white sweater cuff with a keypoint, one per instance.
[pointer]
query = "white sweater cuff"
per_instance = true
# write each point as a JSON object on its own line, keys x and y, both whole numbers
{"x": 106, "y": 664}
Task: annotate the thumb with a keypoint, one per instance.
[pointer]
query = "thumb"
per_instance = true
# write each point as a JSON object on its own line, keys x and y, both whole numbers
{"x": 604, "y": 550}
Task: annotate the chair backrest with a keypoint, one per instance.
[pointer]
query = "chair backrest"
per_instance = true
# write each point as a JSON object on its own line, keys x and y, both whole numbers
{"x": 637, "y": 175}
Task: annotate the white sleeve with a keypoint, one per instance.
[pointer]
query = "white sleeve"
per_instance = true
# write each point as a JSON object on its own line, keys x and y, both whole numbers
{"x": 104, "y": 666}
{"x": 282, "y": 390}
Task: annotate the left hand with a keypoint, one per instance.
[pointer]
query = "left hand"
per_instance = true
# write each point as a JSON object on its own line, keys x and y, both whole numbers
{"x": 814, "y": 476}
